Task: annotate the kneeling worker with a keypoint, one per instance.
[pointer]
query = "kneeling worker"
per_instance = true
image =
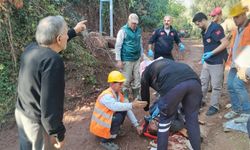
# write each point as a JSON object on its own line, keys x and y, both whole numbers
{"x": 110, "y": 111}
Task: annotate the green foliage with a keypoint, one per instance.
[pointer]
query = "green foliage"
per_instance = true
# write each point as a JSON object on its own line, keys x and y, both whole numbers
{"x": 206, "y": 6}
{"x": 90, "y": 79}
{"x": 79, "y": 54}
{"x": 152, "y": 12}
{"x": 17, "y": 28}
{"x": 7, "y": 85}
{"x": 180, "y": 20}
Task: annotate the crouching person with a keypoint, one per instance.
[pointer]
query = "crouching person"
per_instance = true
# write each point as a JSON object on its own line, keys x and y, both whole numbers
{"x": 176, "y": 83}
{"x": 110, "y": 111}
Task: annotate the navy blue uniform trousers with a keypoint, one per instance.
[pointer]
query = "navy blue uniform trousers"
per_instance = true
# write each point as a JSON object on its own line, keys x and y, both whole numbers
{"x": 189, "y": 94}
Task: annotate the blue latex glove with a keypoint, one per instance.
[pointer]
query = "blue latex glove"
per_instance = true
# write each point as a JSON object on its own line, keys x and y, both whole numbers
{"x": 207, "y": 55}
{"x": 202, "y": 60}
{"x": 150, "y": 53}
{"x": 181, "y": 47}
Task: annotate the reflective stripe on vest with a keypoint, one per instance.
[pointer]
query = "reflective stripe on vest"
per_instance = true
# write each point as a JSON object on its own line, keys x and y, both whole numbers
{"x": 102, "y": 116}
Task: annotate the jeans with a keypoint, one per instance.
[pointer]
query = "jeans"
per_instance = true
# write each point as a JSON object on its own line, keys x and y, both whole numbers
{"x": 32, "y": 135}
{"x": 248, "y": 127}
{"x": 189, "y": 94}
{"x": 238, "y": 92}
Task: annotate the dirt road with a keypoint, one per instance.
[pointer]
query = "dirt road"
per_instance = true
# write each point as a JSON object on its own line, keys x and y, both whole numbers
{"x": 79, "y": 138}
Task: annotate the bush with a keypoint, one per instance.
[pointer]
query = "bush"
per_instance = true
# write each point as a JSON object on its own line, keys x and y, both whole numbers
{"x": 17, "y": 28}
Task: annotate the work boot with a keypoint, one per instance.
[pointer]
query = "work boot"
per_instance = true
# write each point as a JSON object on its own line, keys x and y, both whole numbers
{"x": 203, "y": 104}
{"x": 136, "y": 93}
{"x": 126, "y": 94}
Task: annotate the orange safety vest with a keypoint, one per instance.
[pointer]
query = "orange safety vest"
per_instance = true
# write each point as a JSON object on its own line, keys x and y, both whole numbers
{"x": 244, "y": 41}
{"x": 102, "y": 116}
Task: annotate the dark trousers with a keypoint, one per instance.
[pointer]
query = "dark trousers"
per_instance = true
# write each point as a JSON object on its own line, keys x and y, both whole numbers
{"x": 117, "y": 121}
{"x": 190, "y": 95}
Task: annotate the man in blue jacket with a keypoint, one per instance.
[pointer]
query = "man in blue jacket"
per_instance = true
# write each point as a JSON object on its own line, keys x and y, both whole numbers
{"x": 129, "y": 51}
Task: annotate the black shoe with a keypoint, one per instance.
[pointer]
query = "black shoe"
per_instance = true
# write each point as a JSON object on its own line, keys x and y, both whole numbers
{"x": 211, "y": 111}
{"x": 203, "y": 104}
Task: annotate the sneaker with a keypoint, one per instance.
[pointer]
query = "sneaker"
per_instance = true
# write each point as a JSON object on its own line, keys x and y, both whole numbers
{"x": 109, "y": 145}
{"x": 242, "y": 119}
{"x": 211, "y": 111}
{"x": 231, "y": 114}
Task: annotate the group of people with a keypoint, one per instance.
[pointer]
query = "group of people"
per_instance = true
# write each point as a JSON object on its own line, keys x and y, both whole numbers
{"x": 216, "y": 56}
{"x": 164, "y": 75}
{"x": 39, "y": 107}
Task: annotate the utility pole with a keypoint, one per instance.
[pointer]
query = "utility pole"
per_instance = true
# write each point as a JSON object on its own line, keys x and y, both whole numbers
{"x": 110, "y": 16}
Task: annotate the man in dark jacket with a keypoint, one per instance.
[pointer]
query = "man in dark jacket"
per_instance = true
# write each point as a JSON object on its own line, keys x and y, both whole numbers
{"x": 39, "y": 107}
{"x": 163, "y": 40}
{"x": 176, "y": 83}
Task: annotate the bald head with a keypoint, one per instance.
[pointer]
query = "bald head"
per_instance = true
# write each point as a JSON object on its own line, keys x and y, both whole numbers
{"x": 167, "y": 21}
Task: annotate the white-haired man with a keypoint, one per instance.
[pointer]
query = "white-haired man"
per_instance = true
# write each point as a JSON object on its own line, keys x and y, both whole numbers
{"x": 129, "y": 50}
{"x": 39, "y": 107}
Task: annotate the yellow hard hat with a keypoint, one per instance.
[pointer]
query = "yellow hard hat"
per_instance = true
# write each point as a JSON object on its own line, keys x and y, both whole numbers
{"x": 237, "y": 9}
{"x": 116, "y": 76}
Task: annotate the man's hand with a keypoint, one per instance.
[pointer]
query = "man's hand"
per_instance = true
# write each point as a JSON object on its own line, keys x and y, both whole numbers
{"x": 241, "y": 73}
{"x": 181, "y": 47}
{"x": 139, "y": 130}
{"x": 119, "y": 64}
{"x": 150, "y": 53}
{"x": 57, "y": 144}
{"x": 207, "y": 55}
{"x": 80, "y": 26}
{"x": 139, "y": 104}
